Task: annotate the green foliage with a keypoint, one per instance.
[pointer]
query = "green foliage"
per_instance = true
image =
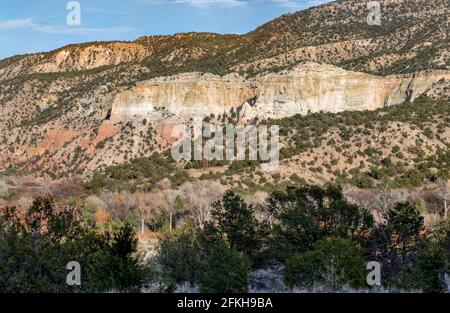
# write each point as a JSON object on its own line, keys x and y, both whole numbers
{"x": 201, "y": 257}
{"x": 332, "y": 263}
{"x": 97, "y": 182}
{"x": 310, "y": 213}
{"x": 310, "y": 130}
{"x": 157, "y": 222}
{"x": 223, "y": 270}
{"x": 394, "y": 243}
{"x": 179, "y": 255}
{"x": 297, "y": 180}
{"x": 115, "y": 267}
{"x": 241, "y": 166}
{"x": 432, "y": 261}
{"x": 36, "y": 247}
{"x": 405, "y": 221}
{"x": 142, "y": 173}
{"x": 179, "y": 178}
{"x": 236, "y": 223}
{"x": 319, "y": 237}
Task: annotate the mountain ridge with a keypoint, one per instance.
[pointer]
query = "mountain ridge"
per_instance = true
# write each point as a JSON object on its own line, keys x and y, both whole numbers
{"x": 405, "y": 26}
{"x": 54, "y": 107}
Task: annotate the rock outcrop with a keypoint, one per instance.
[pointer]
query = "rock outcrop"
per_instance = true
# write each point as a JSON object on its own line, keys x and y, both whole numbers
{"x": 78, "y": 108}
{"x": 185, "y": 95}
{"x": 74, "y": 58}
{"x": 409, "y": 87}
{"x": 307, "y": 88}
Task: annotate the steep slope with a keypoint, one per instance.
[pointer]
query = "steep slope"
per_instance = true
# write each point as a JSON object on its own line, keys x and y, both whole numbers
{"x": 307, "y": 88}
{"x": 336, "y": 33}
{"x": 55, "y": 107}
{"x": 407, "y": 40}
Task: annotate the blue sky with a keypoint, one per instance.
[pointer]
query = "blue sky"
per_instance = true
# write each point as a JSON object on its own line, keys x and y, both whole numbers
{"x": 28, "y": 26}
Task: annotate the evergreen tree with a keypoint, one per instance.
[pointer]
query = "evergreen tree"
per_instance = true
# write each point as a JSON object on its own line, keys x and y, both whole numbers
{"x": 395, "y": 242}
{"x": 235, "y": 221}
{"x": 224, "y": 270}
{"x": 310, "y": 213}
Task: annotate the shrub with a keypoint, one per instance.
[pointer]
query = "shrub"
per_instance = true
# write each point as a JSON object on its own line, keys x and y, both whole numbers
{"x": 311, "y": 213}
{"x": 432, "y": 261}
{"x": 179, "y": 255}
{"x": 35, "y": 249}
{"x": 297, "y": 180}
{"x": 235, "y": 221}
{"x": 115, "y": 267}
{"x": 224, "y": 271}
{"x": 333, "y": 263}
{"x": 179, "y": 178}
{"x": 405, "y": 221}
{"x": 394, "y": 243}
{"x": 97, "y": 182}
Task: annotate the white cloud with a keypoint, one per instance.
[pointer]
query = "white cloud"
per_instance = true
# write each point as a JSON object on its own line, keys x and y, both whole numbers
{"x": 29, "y": 24}
{"x": 17, "y": 23}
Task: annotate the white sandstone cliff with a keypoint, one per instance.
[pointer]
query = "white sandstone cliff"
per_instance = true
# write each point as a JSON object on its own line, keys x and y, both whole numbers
{"x": 308, "y": 88}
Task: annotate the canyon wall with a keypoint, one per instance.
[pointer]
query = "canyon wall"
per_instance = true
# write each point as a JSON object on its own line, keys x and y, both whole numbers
{"x": 307, "y": 88}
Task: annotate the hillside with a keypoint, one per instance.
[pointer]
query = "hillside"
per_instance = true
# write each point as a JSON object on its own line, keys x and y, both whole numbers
{"x": 62, "y": 112}
{"x": 357, "y": 201}
{"x": 335, "y": 33}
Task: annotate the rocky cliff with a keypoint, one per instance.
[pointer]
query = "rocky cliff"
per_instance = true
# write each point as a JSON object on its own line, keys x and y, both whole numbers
{"x": 184, "y": 95}
{"x": 86, "y": 106}
{"x": 307, "y": 88}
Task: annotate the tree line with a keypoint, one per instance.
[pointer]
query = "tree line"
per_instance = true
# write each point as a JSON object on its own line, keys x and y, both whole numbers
{"x": 312, "y": 234}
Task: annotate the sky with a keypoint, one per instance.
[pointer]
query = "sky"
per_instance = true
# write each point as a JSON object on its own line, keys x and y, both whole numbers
{"x": 29, "y": 26}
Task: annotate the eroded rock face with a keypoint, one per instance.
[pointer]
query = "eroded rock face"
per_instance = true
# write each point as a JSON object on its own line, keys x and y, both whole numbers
{"x": 312, "y": 88}
{"x": 307, "y": 88}
{"x": 76, "y": 58}
{"x": 185, "y": 95}
{"x": 409, "y": 87}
